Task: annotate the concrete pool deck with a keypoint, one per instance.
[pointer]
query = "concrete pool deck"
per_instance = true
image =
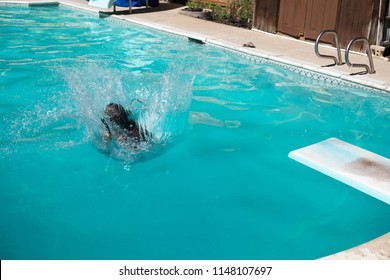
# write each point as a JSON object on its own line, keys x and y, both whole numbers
{"x": 279, "y": 48}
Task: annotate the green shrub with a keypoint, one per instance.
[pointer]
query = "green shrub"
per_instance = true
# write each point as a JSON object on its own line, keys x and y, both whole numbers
{"x": 241, "y": 9}
{"x": 237, "y": 12}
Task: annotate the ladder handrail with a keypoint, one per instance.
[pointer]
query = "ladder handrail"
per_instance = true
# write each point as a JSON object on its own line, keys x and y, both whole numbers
{"x": 336, "y": 37}
{"x": 369, "y": 69}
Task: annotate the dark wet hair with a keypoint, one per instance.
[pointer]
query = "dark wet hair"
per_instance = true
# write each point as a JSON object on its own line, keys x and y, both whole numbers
{"x": 124, "y": 120}
{"x": 117, "y": 114}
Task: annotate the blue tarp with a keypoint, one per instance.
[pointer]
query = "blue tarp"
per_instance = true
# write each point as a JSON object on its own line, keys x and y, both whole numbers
{"x": 137, "y": 3}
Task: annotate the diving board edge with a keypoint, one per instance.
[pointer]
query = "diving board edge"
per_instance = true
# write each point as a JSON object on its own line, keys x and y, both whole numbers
{"x": 361, "y": 169}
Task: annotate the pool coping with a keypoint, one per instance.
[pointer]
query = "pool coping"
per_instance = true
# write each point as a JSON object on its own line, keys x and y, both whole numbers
{"x": 376, "y": 249}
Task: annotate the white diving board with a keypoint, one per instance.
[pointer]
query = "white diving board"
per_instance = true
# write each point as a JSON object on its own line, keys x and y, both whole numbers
{"x": 354, "y": 166}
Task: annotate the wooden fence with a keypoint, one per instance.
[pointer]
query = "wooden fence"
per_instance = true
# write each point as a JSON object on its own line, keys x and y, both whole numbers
{"x": 306, "y": 18}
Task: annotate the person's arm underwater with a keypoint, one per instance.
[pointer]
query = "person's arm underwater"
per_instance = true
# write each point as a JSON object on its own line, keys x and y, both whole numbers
{"x": 145, "y": 135}
{"x": 107, "y": 133}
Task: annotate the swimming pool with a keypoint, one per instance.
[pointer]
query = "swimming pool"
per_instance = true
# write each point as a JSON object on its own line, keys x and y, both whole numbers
{"x": 219, "y": 185}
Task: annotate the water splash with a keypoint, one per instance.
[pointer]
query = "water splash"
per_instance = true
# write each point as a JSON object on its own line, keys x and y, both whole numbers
{"x": 160, "y": 103}
{"x": 66, "y": 107}
{"x": 45, "y": 125}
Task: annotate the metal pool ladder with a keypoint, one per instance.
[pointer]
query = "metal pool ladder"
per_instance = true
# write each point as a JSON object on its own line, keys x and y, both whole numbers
{"x": 337, "y": 60}
{"x": 369, "y": 69}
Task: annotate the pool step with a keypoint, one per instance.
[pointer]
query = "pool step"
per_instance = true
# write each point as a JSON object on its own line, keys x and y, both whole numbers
{"x": 354, "y": 166}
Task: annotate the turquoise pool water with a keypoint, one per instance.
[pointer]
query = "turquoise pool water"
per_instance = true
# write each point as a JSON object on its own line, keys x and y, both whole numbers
{"x": 217, "y": 185}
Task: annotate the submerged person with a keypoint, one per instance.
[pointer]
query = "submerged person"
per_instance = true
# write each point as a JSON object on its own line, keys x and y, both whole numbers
{"x": 122, "y": 126}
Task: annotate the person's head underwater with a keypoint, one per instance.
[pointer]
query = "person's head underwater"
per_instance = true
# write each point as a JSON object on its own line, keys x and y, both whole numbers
{"x": 124, "y": 125}
{"x": 118, "y": 115}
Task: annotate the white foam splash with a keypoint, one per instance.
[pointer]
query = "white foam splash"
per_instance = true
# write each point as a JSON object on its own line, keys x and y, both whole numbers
{"x": 160, "y": 102}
